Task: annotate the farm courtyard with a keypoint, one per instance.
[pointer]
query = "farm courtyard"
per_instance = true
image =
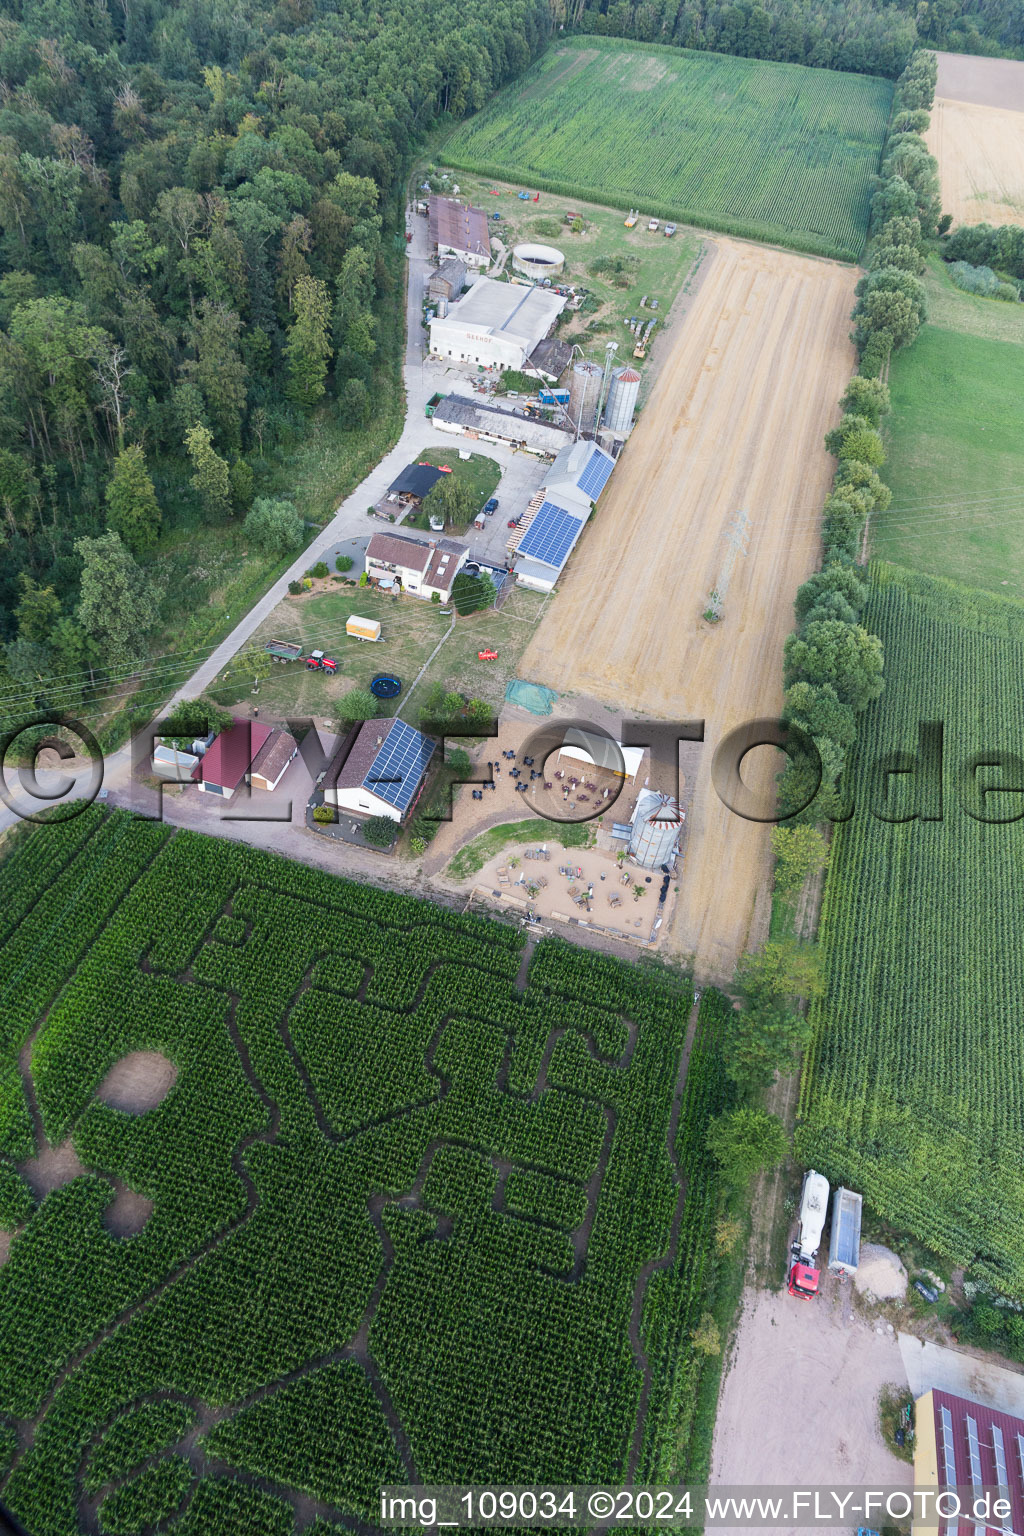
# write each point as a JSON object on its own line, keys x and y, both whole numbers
{"x": 759, "y": 365}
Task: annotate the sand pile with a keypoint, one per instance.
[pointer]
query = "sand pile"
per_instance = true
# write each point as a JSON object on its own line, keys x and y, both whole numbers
{"x": 880, "y": 1273}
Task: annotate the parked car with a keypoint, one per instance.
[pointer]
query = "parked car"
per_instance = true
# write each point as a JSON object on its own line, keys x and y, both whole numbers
{"x": 487, "y": 655}
{"x": 927, "y": 1291}
{"x": 491, "y": 506}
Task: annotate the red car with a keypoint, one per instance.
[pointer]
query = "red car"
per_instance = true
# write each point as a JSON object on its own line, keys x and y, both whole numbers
{"x": 487, "y": 655}
{"x": 513, "y": 522}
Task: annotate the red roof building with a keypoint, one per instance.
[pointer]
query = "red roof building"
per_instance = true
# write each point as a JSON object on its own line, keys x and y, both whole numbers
{"x": 230, "y": 757}
{"x": 964, "y": 1445}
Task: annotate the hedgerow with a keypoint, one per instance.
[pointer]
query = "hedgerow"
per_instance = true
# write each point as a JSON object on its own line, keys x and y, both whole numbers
{"x": 396, "y": 1200}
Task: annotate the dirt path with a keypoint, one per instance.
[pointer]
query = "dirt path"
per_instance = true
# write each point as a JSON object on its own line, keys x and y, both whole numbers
{"x": 980, "y": 151}
{"x": 745, "y": 396}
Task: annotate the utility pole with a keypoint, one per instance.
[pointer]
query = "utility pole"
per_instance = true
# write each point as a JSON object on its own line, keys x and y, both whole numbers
{"x": 736, "y": 538}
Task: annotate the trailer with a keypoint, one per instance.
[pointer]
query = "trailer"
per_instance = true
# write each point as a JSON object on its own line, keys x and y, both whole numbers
{"x": 433, "y": 403}
{"x": 362, "y": 629}
{"x": 283, "y": 650}
{"x": 844, "y": 1244}
{"x": 553, "y": 396}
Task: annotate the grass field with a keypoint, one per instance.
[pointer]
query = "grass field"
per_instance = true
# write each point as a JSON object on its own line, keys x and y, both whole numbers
{"x": 410, "y": 629}
{"x": 770, "y": 151}
{"x": 412, "y": 1211}
{"x": 956, "y": 451}
{"x": 914, "y": 1089}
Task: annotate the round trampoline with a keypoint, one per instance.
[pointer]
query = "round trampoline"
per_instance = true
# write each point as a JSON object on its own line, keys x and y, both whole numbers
{"x": 386, "y": 686}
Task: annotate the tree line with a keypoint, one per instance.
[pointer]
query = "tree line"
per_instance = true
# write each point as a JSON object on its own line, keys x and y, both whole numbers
{"x": 198, "y": 212}
{"x": 874, "y": 37}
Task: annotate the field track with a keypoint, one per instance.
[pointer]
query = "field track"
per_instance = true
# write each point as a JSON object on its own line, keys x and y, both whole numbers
{"x": 736, "y": 421}
{"x": 977, "y": 136}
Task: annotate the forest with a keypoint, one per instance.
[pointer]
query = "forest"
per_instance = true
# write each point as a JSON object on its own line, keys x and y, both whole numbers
{"x": 199, "y": 206}
{"x": 871, "y": 37}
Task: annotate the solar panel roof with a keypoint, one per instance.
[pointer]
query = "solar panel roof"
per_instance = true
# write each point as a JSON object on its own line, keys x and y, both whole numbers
{"x": 551, "y": 535}
{"x": 396, "y": 771}
{"x": 595, "y": 476}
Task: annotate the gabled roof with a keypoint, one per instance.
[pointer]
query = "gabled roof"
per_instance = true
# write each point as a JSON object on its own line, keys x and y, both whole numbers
{"x": 394, "y": 549}
{"x": 275, "y": 754}
{"x": 551, "y": 357}
{"x": 228, "y": 760}
{"x": 458, "y": 225}
{"x": 388, "y": 758}
{"x": 415, "y": 480}
{"x": 452, "y": 271}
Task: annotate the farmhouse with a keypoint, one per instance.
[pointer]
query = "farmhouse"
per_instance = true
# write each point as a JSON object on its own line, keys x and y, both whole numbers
{"x": 497, "y": 425}
{"x": 458, "y": 230}
{"x": 449, "y": 279}
{"x": 557, "y": 515}
{"x": 962, "y": 1444}
{"x": 497, "y": 325}
{"x": 382, "y": 768}
{"x": 422, "y": 566}
{"x": 229, "y": 760}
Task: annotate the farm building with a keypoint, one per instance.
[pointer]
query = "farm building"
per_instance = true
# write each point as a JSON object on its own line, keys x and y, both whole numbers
{"x": 458, "y": 230}
{"x": 598, "y": 751}
{"x": 270, "y": 764}
{"x": 172, "y": 764}
{"x": 496, "y": 325}
{"x": 548, "y": 360}
{"x": 557, "y": 515}
{"x": 421, "y": 566}
{"x": 381, "y": 770}
{"x": 448, "y": 281}
{"x": 960, "y": 1444}
{"x": 227, "y": 763}
{"x": 654, "y": 829}
{"x": 500, "y": 425}
{"x": 409, "y": 488}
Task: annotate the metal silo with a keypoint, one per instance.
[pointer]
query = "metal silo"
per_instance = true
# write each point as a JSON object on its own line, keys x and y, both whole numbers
{"x": 622, "y": 395}
{"x": 584, "y": 390}
{"x": 655, "y": 828}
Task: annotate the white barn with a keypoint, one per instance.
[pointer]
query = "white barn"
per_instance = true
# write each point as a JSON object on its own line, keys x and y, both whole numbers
{"x": 497, "y": 325}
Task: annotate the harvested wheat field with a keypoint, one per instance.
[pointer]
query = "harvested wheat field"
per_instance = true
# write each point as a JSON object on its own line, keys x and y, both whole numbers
{"x": 736, "y": 420}
{"x": 980, "y": 151}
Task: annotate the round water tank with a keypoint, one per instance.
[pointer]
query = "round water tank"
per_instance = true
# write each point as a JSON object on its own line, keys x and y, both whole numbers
{"x": 622, "y": 394}
{"x": 537, "y": 260}
{"x": 584, "y": 389}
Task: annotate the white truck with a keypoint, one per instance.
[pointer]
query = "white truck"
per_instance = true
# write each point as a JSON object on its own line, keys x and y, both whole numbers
{"x": 803, "y": 1272}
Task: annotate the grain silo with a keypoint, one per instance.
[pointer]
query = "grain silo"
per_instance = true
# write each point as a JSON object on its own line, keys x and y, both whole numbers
{"x": 654, "y": 830}
{"x": 625, "y": 386}
{"x": 584, "y": 392}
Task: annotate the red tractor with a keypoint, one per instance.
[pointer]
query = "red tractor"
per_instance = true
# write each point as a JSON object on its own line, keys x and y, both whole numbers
{"x": 316, "y": 661}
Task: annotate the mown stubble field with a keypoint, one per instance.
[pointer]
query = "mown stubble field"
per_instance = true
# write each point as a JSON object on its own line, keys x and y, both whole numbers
{"x": 743, "y": 401}
{"x": 977, "y": 136}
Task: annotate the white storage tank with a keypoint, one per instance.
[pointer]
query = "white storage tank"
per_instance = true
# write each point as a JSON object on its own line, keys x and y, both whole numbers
{"x": 622, "y": 397}
{"x": 537, "y": 261}
{"x": 584, "y": 392}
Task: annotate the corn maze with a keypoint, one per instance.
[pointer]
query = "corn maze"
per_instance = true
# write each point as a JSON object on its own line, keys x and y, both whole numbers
{"x": 914, "y": 1090}
{"x": 417, "y": 1211}
{"x": 769, "y": 151}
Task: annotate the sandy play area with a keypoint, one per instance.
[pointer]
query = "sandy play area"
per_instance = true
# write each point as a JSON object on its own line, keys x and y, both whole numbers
{"x": 736, "y": 422}
{"x": 139, "y": 1081}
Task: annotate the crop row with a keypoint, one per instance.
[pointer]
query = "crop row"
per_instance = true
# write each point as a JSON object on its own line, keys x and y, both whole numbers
{"x": 355, "y": 1072}
{"x": 915, "y": 1088}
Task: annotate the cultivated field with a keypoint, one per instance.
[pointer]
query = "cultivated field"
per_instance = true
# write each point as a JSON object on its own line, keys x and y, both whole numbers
{"x": 773, "y": 151}
{"x": 403, "y": 1208}
{"x": 914, "y": 1089}
{"x": 980, "y": 151}
{"x": 737, "y": 420}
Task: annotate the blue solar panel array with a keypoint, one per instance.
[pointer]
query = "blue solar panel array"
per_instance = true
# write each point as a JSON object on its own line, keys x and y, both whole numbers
{"x": 396, "y": 771}
{"x": 595, "y": 477}
{"x": 551, "y": 535}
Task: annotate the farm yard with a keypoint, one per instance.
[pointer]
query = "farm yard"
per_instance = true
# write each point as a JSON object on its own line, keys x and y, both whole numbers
{"x": 913, "y": 1089}
{"x": 415, "y": 1209}
{"x": 617, "y": 266}
{"x": 759, "y": 364}
{"x": 410, "y": 630}
{"x": 773, "y": 152}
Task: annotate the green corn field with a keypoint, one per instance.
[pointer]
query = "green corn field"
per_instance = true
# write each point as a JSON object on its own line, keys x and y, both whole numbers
{"x": 417, "y": 1214}
{"x": 773, "y": 152}
{"x": 914, "y": 1091}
